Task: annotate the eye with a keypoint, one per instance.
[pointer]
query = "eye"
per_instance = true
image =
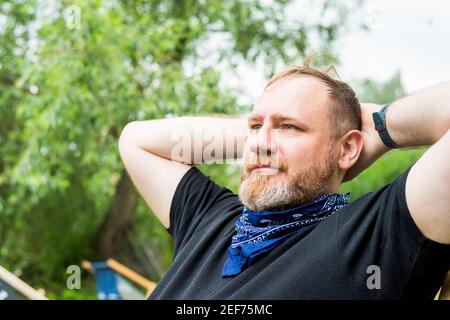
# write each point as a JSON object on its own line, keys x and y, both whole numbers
{"x": 255, "y": 126}
{"x": 289, "y": 126}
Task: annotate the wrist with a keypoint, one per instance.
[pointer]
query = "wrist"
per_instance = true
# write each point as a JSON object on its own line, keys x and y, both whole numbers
{"x": 379, "y": 121}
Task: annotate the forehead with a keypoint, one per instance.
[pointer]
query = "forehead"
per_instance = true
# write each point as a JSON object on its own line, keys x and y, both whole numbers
{"x": 302, "y": 97}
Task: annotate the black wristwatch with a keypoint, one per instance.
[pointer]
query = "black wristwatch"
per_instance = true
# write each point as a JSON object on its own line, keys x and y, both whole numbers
{"x": 379, "y": 119}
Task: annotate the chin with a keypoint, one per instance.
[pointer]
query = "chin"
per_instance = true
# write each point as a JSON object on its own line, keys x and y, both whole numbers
{"x": 258, "y": 194}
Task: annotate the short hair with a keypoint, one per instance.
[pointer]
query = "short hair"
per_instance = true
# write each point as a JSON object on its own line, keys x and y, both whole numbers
{"x": 345, "y": 112}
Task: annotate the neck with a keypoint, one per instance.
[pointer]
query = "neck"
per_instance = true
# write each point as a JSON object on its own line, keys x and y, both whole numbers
{"x": 334, "y": 184}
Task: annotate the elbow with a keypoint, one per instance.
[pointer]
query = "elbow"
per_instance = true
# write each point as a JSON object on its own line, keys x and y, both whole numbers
{"x": 126, "y": 137}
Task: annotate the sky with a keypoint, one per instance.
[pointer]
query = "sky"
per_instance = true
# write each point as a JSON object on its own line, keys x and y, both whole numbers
{"x": 410, "y": 36}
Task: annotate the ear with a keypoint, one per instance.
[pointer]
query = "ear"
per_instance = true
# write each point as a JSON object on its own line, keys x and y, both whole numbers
{"x": 350, "y": 146}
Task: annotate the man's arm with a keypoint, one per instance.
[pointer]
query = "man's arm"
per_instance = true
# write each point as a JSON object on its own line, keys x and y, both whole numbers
{"x": 157, "y": 153}
{"x": 445, "y": 290}
{"x": 422, "y": 118}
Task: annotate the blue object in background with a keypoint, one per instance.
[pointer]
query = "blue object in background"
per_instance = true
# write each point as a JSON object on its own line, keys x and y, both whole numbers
{"x": 106, "y": 281}
{"x": 7, "y": 292}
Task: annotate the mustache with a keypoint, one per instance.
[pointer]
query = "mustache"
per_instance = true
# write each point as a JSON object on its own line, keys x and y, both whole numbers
{"x": 280, "y": 164}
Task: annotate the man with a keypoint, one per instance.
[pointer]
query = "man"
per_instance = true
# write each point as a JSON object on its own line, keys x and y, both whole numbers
{"x": 289, "y": 234}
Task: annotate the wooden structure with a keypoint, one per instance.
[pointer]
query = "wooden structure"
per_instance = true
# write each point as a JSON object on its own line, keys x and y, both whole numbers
{"x": 20, "y": 286}
{"x": 125, "y": 272}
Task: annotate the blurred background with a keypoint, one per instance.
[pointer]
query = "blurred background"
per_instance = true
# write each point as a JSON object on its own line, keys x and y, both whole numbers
{"x": 74, "y": 73}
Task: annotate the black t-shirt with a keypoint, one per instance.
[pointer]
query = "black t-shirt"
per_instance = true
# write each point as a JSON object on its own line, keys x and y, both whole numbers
{"x": 371, "y": 243}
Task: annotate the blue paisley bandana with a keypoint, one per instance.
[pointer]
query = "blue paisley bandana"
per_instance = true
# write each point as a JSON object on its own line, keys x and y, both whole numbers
{"x": 261, "y": 231}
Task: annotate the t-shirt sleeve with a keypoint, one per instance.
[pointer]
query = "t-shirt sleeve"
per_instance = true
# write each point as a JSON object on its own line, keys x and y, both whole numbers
{"x": 193, "y": 202}
{"x": 377, "y": 234}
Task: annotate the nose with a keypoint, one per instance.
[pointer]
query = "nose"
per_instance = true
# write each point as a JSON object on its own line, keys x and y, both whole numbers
{"x": 264, "y": 142}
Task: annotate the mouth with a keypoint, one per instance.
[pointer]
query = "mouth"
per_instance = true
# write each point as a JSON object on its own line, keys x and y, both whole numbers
{"x": 264, "y": 169}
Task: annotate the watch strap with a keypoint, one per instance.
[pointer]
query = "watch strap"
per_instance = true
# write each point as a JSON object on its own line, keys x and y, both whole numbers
{"x": 379, "y": 119}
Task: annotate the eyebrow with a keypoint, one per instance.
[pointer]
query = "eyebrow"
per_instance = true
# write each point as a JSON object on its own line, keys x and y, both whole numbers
{"x": 277, "y": 116}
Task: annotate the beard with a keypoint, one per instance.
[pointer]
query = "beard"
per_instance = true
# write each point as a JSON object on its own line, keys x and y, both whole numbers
{"x": 259, "y": 192}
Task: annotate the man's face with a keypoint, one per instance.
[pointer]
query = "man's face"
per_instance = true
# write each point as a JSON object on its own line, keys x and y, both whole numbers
{"x": 289, "y": 130}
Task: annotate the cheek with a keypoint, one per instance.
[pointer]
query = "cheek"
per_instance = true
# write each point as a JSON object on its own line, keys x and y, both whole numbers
{"x": 295, "y": 152}
{"x": 299, "y": 155}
